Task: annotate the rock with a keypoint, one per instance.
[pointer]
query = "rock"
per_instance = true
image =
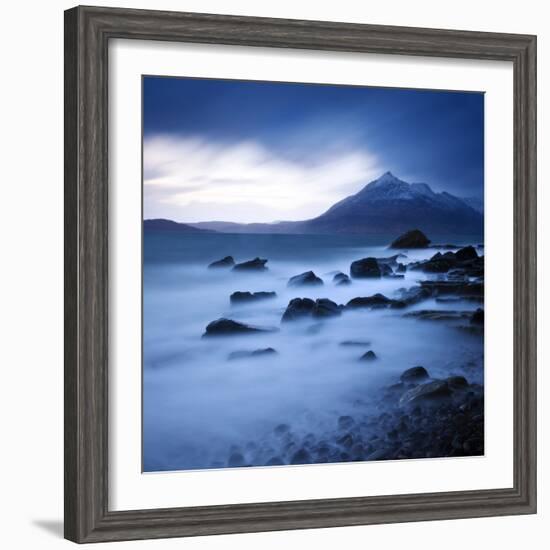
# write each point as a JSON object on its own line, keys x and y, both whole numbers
{"x": 255, "y": 353}
{"x": 365, "y": 268}
{"x": 249, "y": 297}
{"x": 345, "y": 422}
{"x": 305, "y": 279}
{"x": 430, "y": 392}
{"x": 301, "y": 456}
{"x": 374, "y": 301}
{"x": 414, "y": 374}
{"x": 466, "y": 253}
{"x": 227, "y": 327}
{"x": 457, "y": 382}
{"x": 341, "y": 279}
{"x": 438, "y": 315}
{"x": 368, "y": 356}
{"x": 235, "y": 460}
{"x": 299, "y": 308}
{"x": 379, "y": 454}
{"x": 401, "y": 268}
{"x": 326, "y": 308}
{"x": 413, "y": 295}
{"x": 359, "y": 343}
{"x": 411, "y": 239}
{"x": 453, "y": 287}
{"x": 226, "y": 262}
{"x": 478, "y": 317}
{"x": 257, "y": 264}
{"x": 390, "y": 260}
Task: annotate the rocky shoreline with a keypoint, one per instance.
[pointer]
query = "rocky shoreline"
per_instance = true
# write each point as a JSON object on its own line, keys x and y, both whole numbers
{"x": 416, "y": 415}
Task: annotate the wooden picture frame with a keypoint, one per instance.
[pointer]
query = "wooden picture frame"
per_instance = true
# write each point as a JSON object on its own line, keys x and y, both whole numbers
{"x": 87, "y": 34}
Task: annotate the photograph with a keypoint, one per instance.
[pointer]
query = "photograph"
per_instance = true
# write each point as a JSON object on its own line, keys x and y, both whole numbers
{"x": 313, "y": 273}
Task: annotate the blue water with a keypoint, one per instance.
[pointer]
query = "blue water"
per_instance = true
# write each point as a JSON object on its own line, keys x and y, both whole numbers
{"x": 198, "y": 406}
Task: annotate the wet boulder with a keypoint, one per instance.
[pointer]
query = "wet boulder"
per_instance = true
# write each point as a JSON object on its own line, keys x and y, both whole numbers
{"x": 375, "y": 301}
{"x": 305, "y": 279}
{"x": 226, "y": 262}
{"x": 413, "y": 295}
{"x": 242, "y": 354}
{"x": 367, "y": 268}
{"x": 300, "y": 308}
{"x": 228, "y": 327}
{"x": 411, "y": 239}
{"x": 341, "y": 279}
{"x": 368, "y": 356}
{"x": 466, "y": 253}
{"x": 431, "y": 392}
{"x": 250, "y": 297}
{"x": 414, "y": 374}
{"x": 457, "y": 382}
{"x": 257, "y": 264}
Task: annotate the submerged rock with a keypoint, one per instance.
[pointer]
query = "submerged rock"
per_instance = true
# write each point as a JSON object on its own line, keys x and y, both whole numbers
{"x": 368, "y": 356}
{"x": 228, "y": 327}
{"x": 365, "y": 268}
{"x": 300, "y": 308}
{"x": 257, "y": 264}
{"x": 226, "y": 262}
{"x": 439, "y": 315}
{"x": 411, "y": 239}
{"x": 453, "y": 287}
{"x": 255, "y": 353}
{"x": 249, "y": 297}
{"x": 305, "y": 279}
{"x": 466, "y": 253}
{"x": 355, "y": 343}
{"x": 341, "y": 279}
{"x": 414, "y": 374}
{"x": 401, "y": 268}
{"x": 374, "y": 301}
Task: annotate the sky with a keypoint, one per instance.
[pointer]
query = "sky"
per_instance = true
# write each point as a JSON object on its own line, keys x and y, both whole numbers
{"x": 243, "y": 151}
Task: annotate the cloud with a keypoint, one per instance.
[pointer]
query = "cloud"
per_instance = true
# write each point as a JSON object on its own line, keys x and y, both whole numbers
{"x": 192, "y": 179}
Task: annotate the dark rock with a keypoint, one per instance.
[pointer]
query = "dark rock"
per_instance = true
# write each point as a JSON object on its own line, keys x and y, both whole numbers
{"x": 257, "y": 264}
{"x": 341, "y": 279}
{"x": 453, "y": 287}
{"x": 466, "y": 253}
{"x": 374, "y": 301}
{"x": 235, "y": 460}
{"x": 414, "y": 374}
{"x": 227, "y": 327}
{"x": 228, "y": 261}
{"x": 365, "y": 268}
{"x": 401, "y": 268}
{"x": 432, "y": 391}
{"x": 345, "y": 422}
{"x": 360, "y": 343}
{"x": 390, "y": 260}
{"x": 301, "y": 456}
{"x": 299, "y": 308}
{"x": 255, "y": 353}
{"x": 457, "y": 382}
{"x": 274, "y": 461}
{"x": 249, "y": 297}
{"x": 345, "y": 441}
{"x": 438, "y": 315}
{"x": 411, "y": 239}
{"x": 413, "y": 295}
{"x": 478, "y": 317}
{"x": 305, "y": 279}
{"x": 379, "y": 454}
{"x": 368, "y": 356}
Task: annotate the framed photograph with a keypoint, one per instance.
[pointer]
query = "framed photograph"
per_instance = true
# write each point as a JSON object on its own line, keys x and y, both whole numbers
{"x": 300, "y": 274}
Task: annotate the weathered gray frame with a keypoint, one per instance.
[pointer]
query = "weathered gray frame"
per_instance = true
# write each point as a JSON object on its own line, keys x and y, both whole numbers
{"x": 87, "y": 34}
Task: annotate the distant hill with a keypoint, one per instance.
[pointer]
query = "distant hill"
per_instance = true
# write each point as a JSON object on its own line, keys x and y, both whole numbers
{"x": 160, "y": 224}
{"x": 386, "y": 205}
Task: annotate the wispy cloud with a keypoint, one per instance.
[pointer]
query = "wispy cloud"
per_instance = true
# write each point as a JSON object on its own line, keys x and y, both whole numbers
{"x": 191, "y": 179}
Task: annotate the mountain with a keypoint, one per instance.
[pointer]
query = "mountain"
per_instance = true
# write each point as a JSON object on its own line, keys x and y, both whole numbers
{"x": 160, "y": 224}
{"x": 385, "y": 206}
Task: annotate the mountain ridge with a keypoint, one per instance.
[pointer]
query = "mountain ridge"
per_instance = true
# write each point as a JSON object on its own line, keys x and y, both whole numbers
{"x": 385, "y": 205}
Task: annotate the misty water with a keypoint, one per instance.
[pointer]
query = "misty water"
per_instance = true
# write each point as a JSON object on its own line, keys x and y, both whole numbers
{"x": 199, "y": 407}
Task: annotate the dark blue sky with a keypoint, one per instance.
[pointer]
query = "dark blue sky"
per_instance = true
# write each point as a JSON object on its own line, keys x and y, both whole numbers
{"x": 421, "y": 136}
